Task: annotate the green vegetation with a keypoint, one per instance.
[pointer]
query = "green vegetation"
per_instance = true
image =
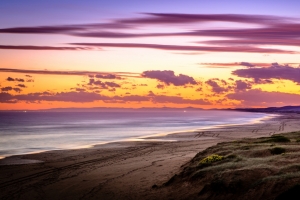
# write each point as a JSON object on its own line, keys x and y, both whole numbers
{"x": 210, "y": 159}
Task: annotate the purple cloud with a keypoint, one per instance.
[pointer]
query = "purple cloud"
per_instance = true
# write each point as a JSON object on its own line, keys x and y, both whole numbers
{"x": 248, "y": 49}
{"x": 273, "y": 32}
{"x": 238, "y": 64}
{"x": 10, "y": 79}
{"x": 28, "y": 47}
{"x": 108, "y": 34}
{"x": 256, "y": 41}
{"x": 242, "y": 85}
{"x": 257, "y": 97}
{"x": 106, "y": 76}
{"x": 84, "y": 97}
{"x": 6, "y": 89}
{"x": 103, "y": 85}
{"x": 247, "y": 64}
{"x": 218, "y": 86}
{"x": 97, "y": 82}
{"x": 275, "y": 71}
{"x": 168, "y": 77}
{"x": 177, "y": 18}
{"x": 60, "y": 96}
{"x": 160, "y": 86}
{"x": 63, "y": 29}
{"x": 21, "y": 85}
{"x": 112, "y": 84}
{"x": 148, "y": 19}
{"x": 17, "y": 90}
{"x": 71, "y": 73}
{"x": 7, "y": 98}
{"x": 41, "y": 29}
{"x": 15, "y": 79}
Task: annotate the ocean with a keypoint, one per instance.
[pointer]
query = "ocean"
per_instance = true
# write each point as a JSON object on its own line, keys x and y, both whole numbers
{"x": 30, "y": 132}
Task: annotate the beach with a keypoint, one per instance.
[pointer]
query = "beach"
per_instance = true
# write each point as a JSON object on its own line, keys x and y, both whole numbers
{"x": 122, "y": 170}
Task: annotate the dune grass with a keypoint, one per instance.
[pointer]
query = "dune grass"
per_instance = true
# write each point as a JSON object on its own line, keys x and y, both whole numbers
{"x": 247, "y": 166}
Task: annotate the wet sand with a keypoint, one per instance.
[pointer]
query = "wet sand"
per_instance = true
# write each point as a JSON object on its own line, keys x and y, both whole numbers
{"x": 127, "y": 170}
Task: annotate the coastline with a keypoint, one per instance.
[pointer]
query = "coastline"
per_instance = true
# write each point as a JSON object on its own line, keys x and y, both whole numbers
{"x": 122, "y": 170}
{"x": 161, "y": 136}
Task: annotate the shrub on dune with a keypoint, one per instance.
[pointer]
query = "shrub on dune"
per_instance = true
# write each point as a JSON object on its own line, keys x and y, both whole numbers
{"x": 211, "y": 159}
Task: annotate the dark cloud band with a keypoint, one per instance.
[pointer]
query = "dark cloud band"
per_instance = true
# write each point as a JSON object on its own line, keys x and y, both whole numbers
{"x": 104, "y": 75}
{"x": 14, "y": 47}
{"x": 246, "y": 49}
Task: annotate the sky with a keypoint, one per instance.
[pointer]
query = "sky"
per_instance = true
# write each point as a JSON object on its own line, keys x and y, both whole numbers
{"x": 134, "y": 54}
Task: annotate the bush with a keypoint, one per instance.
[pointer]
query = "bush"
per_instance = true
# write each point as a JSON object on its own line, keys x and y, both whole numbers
{"x": 279, "y": 138}
{"x": 210, "y": 159}
{"x": 276, "y": 138}
{"x": 277, "y": 150}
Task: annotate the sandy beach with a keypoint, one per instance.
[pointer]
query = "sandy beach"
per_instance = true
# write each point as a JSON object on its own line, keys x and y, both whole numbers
{"x": 126, "y": 170}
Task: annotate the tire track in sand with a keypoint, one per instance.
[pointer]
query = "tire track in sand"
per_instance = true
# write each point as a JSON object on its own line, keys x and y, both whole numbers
{"x": 17, "y": 181}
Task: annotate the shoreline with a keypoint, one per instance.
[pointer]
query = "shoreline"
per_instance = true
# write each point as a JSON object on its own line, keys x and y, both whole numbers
{"x": 122, "y": 170}
{"x": 159, "y": 137}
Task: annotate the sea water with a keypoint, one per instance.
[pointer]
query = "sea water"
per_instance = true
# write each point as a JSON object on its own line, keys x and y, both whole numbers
{"x": 29, "y": 132}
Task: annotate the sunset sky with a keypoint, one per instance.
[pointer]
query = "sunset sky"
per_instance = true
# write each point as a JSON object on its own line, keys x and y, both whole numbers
{"x": 159, "y": 53}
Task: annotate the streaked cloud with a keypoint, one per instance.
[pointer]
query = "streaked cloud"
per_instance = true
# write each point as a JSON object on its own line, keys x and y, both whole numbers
{"x": 84, "y": 97}
{"x": 250, "y": 41}
{"x": 275, "y": 71}
{"x": 104, "y": 75}
{"x": 178, "y": 18}
{"x": 243, "y": 49}
{"x": 63, "y": 29}
{"x": 148, "y": 19}
{"x": 273, "y": 30}
{"x": 30, "y": 47}
{"x": 234, "y": 64}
